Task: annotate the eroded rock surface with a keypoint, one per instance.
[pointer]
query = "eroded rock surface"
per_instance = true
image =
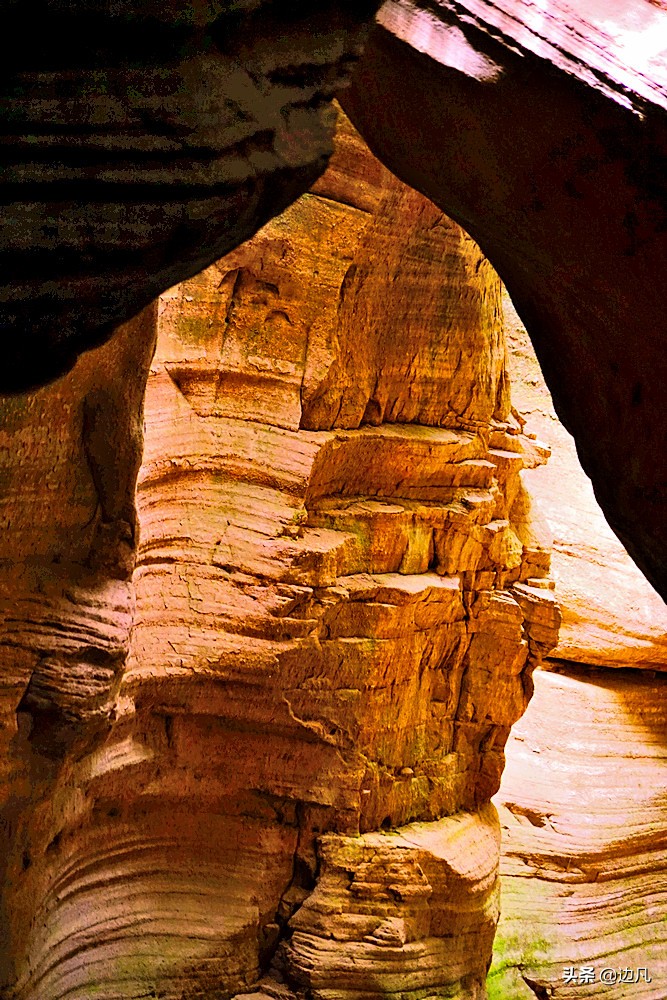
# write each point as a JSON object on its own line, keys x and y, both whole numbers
{"x": 69, "y": 455}
{"x": 338, "y": 616}
{"x": 143, "y": 141}
{"x": 584, "y": 865}
{"x": 611, "y": 616}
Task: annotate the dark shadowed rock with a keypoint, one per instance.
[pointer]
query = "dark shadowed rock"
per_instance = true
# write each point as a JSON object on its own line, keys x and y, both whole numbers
{"x": 141, "y": 142}
{"x": 546, "y": 138}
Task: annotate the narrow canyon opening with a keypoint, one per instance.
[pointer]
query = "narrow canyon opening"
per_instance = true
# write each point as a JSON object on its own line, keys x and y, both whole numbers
{"x": 268, "y": 632}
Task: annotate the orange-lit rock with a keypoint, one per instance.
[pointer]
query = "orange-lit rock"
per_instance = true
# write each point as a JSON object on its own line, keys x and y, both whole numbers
{"x": 540, "y": 128}
{"x": 584, "y": 869}
{"x": 362, "y": 303}
{"x": 339, "y": 605}
{"x": 398, "y": 913}
{"x": 69, "y": 457}
{"x": 337, "y": 620}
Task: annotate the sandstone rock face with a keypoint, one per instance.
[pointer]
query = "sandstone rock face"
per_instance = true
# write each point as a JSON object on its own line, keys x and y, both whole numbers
{"x": 144, "y": 141}
{"x": 584, "y": 860}
{"x": 370, "y": 573}
{"x": 401, "y": 895}
{"x": 340, "y": 601}
{"x": 321, "y": 354}
{"x": 542, "y": 130}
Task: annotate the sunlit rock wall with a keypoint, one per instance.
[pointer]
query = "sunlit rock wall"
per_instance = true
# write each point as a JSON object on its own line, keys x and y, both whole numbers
{"x": 611, "y": 616}
{"x": 337, "y": 617}
{"x": 584, "y": 857}
{"x": 340, "y": 601}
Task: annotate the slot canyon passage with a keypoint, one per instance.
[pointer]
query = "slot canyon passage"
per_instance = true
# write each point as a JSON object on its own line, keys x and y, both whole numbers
{"x": 259, "y": 761}
{"x": 322, "y": 675}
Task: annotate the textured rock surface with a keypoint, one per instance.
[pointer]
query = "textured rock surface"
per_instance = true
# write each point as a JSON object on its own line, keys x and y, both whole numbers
{"x": 143, "y": 141}
{"x": 384, "y": 908}
{"x": 69, "y": 457}
{"x": 337, "y": 622}
{"x": 341, "y": 590}
{"x": 584, "y": 864}
{"x": 542, "y": 130}
{"x": 356, "y": 566}
{"x": 610, "y": 614}
{"x": 292, "y": 333}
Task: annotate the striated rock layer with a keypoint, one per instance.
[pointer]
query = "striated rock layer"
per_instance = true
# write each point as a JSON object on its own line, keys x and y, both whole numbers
{"x": 584, "y": 858}
{"x": 339, "y": 605}
{"x": 69, "y": 457}
{"x": 611, "y": 616}
{"x": 144, "y": 140}
{"x": 584, "y": 862}
{"x": 335, "y": 610}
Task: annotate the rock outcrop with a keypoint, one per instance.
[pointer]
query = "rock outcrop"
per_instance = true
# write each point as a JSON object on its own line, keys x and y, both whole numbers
{"x": 270, "y": 748}
{"x": 69, "y": 456}
{"x": 340, "y": 602}
{"x": 611, "y": 616}
{"x": 543, "y": 131}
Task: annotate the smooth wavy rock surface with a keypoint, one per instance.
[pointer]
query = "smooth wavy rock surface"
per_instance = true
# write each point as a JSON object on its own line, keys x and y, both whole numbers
{"x": 584, "y": 857}
{"x": 611, "y": 616}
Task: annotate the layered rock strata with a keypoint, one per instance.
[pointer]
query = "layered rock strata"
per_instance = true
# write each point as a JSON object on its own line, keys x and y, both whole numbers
{"x": 143, "y": 141}
{"x": 611, "y": 616}
{"x": 369, "y": 571}
{"x": 339, "y": 605}
{"x": 69, "y": 458}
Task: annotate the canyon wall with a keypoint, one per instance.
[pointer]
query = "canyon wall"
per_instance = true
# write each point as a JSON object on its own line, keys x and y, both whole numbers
{"x": 584, "y": 855}
{"x": 582, "y": 805}
{"x": 142, "y": 141}
{"x": 340, "y": 601}
{"x": 69, "y": 458}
